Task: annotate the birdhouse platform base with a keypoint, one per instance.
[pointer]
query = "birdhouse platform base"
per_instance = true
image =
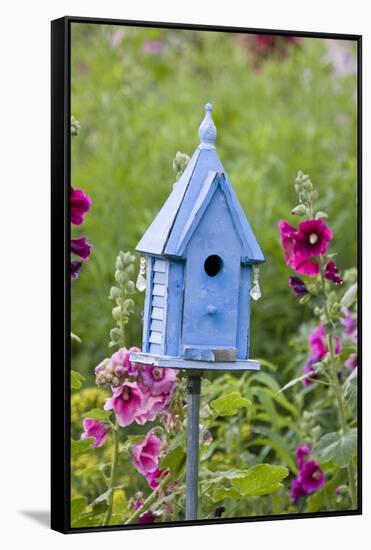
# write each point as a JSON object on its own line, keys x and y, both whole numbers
{"x": 180, "y": 363}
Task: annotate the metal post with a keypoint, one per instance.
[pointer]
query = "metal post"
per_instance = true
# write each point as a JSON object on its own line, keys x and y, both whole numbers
{"x": 194, "y": 389}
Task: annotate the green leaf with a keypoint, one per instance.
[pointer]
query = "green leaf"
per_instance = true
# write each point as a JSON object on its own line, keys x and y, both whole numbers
{"x": 174, "y": 461}
{"x": 351, "y": 388}
{"x": 76, "y": 380}
{"x": 293, "y": 382}
{"x": 77, "y": 507}
{"x": 259, "y": 480}
{"x": 338, "y": 447}
{"x": 229, "y": 404}
{"x": 350, "y": 296}
{"x": 97, "y": 414}
{"x": 81, "y": 446}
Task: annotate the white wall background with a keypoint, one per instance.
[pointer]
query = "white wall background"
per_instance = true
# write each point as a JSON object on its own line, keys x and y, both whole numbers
{"x": 24, "y": 272}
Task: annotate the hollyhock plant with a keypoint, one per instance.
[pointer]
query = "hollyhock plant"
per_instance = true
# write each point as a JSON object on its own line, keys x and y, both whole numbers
{"x": 298, "y": 286}
{"x": 310, "y": 477}
{"x": 75, "y": 268}
{"x": 153, "y": 405}
{"x": 121, "y": 359}
{"x": 158, "y": 380}
{"x": 349, "y": 321}
{"x": 332, "y": 273}
{"x": 147, "y": 453}
{"x": 153, "y": 478}
{"x": 95, "y": 428}
{"x": 80, "y": 247}
{"x": 147, "y": 517}
{"x": 80, "y": 205}
{"x": 301, "y": 245}
{"x": 126, "y": 402}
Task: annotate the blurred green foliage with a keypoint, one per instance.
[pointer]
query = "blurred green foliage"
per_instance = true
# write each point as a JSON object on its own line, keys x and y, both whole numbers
{"x": 139, "y": 95}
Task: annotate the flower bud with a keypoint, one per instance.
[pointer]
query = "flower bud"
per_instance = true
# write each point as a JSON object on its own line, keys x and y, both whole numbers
{"x": 130, "y": 287}
{"x": 300, "y": 210}
{"x": 115, "y": 381}
{"x": 128, "y": 306}
{"x": 114, "y": 293}
{"x": 116, "y": 313}
{"x": 115, "y": 334}
{"x": 126, "y": 258}
{"x": 119, "y": 263}
{"x": 122, "y": 277}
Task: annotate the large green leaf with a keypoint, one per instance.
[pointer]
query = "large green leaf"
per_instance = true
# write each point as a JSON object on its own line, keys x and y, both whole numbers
{"x": 76, "y": 380}
{"x": 350, "y": 296}
{"x": 259, "y": 480}
{"x": 97, "y": 414}
{"x": 81, "y": 446}
{"x": 77, "y": 506}
{"x": 351, "y": 388}
{"x": 174, "y": 460}
{"x": 229, "y": 404}
{"x": 338, "y": 447}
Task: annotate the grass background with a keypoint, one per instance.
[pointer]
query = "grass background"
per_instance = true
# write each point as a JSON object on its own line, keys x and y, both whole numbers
{"x": 139, "y": 95}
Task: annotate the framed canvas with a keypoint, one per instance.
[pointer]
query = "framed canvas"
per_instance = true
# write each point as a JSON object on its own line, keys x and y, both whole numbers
{"x": 206, "y": 274}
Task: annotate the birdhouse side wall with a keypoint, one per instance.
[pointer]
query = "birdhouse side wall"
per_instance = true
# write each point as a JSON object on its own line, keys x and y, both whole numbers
{"x": 244, "y": 310}
{"x": 155, "y": 309}
{"x": 174, "y": 308}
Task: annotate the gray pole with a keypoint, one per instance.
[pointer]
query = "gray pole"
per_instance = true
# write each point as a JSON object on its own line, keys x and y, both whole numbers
{"x": 194, "y": 388}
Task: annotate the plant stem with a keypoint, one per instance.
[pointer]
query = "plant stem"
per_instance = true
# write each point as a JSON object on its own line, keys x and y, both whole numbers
{"x": 149, "y": 500}
{"x": 112, "y": 479}
{"x": 338, "y": 391}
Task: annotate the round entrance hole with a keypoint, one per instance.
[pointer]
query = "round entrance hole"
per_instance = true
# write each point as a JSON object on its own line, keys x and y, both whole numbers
{"x": 213, "y": 265}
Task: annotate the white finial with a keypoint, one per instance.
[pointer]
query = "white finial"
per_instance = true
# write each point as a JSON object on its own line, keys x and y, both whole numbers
{"x": 207, "y": 130}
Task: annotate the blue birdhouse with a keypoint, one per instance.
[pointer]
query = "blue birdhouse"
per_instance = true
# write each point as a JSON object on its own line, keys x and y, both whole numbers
{"x": 201, "y": 270}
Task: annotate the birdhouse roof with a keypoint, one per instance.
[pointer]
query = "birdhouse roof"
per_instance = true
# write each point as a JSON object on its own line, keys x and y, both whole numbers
{"x": 171, "y": 230}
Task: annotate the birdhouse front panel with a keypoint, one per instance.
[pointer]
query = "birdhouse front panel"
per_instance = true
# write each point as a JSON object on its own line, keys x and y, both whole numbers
{"x": 212, "y": 280}
{"x": 200, "y": 253}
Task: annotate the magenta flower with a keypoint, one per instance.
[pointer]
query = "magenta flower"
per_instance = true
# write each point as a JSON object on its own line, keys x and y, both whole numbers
{"x": 127, "y": 402}
{"x": 153, "y": 405}
{"x": 81, "y": 247}
{"x": 94, "y": 428}
{"x": 296, "y": 490}
{"x": 313, "y": 238}
{"x": 154, "y": 477}
{"x": 311, "y": 476}
{"x": 147, "y": 453}
{"x": 75, "y": 268}
{"x": 158, "y": 380}
{"x": 293, "y": 258}
{"x": 310, "y": 370}
{"x": 317, "y": 342}
{"x": 350, "y": 323}
{"x": 80, "y": 205}
{"x": 301, "y": 454}
{"x": 332, "y": 273}
{"x": 147, "y": 517}
{"x": 352, "y": 362}
{"x": 121, "y": 362}
{"x": 298, "y": 286}
{"x": 310, "y": 240}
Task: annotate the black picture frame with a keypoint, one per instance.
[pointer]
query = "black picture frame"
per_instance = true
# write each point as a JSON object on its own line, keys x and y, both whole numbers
{"x": 60, "y": 268}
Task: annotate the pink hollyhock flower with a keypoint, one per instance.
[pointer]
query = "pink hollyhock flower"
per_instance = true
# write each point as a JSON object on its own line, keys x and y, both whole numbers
{"x": 153, "y": 405}
{"x": 313, "y": 238}
{"x": 94, "y": 428}
{"x": 154, "y": 477}
{"x": 293, "y": 258}
{"x": 147, "y": 453}
{"x": 311, "y": 476}
{"x": 332, "y": 273}
{"x": 350, "y": 323}
{"x": 147, "y": 517}
{"x": 310, "y": 240}
{"x": 81, "y": 247}
{"x": 352, "y": 362}
{"x": 301, "y": 454}
{"x": 311, "y": 371}
{"x": 80, "y": 205}
{"x": 121, "y": 360}
{"x": 158, "y": 380}
{"x": 127, "y": 402}
{"x": 296, "y": 490}
{"x": 317, "y": 342}
{"x": 298, "y": 286}
{"x": 75, "y": 268}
